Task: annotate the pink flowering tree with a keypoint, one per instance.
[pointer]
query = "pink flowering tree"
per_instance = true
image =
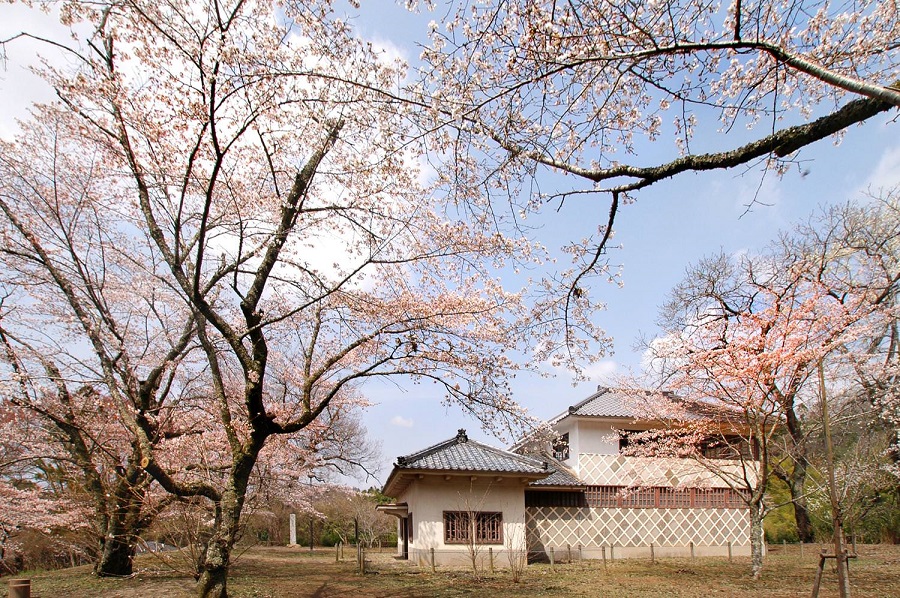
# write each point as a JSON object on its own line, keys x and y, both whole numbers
{"x": 250, "y": 241}
{"x": 744, "y": 337}
{"x": 34, "y": 499}
{"x": 73, "y": 442}
{"x": 590, "y": 88}
{"x": 855, "y": 248}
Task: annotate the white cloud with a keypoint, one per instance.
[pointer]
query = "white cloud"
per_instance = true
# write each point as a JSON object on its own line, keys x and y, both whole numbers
{"x": 401, "y": 422}
{"x": 19, "y": 87}
{"x": 886, "y": 173}
{"x": 602, "y": 370}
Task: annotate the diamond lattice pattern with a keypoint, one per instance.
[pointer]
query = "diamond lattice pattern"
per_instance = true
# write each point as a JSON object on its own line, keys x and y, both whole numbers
{"x": 595, "y": 527}
{"x": 620, "y": 470}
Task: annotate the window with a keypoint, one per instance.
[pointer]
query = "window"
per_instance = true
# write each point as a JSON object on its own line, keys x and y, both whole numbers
{"x": 552, "y": 498}
{"x": 662, "y": 498}
{"x": 711, "y": 498}
{"x": 639, "y": 497}
{"x": 673, "y": 498}
{"x": 488, "y": 527}
{"x": 630, "y": 438}
{"x": 561, "y": 447}
{"x": 603, "y": 496}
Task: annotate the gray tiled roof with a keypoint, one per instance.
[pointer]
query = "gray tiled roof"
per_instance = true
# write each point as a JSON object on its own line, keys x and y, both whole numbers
{"x": 612, "y": 402}
{"x": 606, "y": 402}
{"x": 461, "y": 454}
{"x": 560, "y": 477}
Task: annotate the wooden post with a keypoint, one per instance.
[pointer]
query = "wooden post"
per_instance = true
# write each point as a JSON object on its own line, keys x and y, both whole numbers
{"x": 818, "y": 580}
{"x": 612, "y": 555}
{"x": 19, "y": 588}
{"x": 837, "y": 516}
{"x": 801, "y": 549}
{"x": 580, "y": 554}
{"x": 729, "y": 551}
{"x": 551, "y": 557}
{"x": 432, "y": 560}
{"x": 652, "y": 554}
{"x": 692, "y": 551}
{"x": 491, "y": 557}
{"x": 337, "y": 552}
{"x": 603, "y": 552}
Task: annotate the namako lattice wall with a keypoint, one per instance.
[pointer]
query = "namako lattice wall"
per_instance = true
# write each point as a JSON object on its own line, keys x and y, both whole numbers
{"x": 631, "y": 531}
{"x": 621, "y": 470}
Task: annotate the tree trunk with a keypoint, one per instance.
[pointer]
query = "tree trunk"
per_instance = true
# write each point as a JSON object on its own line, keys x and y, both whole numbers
{"x": 217, "y": 557}
{"x": 214, "y": 568}
{"x": 116, "y": 557}
{"x": 804, "y": 524}
{"x": 796, "y": 482}
{"x": 123, "y": 526}
{"x": 214, "y": 577}
{"x": 796, "y": 477}
{"x": 756, "y": 540}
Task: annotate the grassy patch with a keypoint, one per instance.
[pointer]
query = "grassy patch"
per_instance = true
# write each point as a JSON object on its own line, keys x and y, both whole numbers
{"x": 274, "y": 572}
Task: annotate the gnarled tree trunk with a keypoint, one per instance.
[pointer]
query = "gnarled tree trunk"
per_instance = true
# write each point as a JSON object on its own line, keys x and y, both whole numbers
{"x": 217, "y": 558}
{"x": 757, "y": 547}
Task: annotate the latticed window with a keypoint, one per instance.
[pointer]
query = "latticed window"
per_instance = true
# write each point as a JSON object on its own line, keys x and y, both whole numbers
{"x": 487, "y": 527}
{"x": 672, "y": 498}
{"x": 711, "y": 498}
{"x": 551, "y": 498}
{"x": 603, "y": 496}
{"x": 663, "y": 498}
{"x": 640, "y": 497}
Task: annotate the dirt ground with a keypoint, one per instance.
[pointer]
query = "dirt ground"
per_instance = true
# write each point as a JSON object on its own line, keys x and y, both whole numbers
{"x": 280, "y": 571}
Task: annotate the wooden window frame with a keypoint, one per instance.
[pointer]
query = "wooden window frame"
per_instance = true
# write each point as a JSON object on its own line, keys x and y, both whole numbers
{"x": 659, "y": 497}
{"x": 561, "y": 447}
{"x": 488, "y": 527}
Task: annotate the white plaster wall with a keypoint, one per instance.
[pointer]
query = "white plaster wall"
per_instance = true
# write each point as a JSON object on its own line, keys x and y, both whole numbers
{"x": 597, "y": 437}
{"x": 590, "y": 437}
{"x": 429, "y": 497}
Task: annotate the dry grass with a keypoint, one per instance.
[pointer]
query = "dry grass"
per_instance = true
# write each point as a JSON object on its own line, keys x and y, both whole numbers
{"x": 275, "y": 572}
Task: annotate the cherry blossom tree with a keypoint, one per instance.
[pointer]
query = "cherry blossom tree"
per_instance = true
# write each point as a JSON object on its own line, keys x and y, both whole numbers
{"x": 748, "y": 333}
{"x": 30, "y": 501}
{"x": 87, "y": 336}
{"x": 591, "y": 88}
{"x": 856, "y": 247}
{"x": 76, "y": 436}
{"x": 252, "y": 242}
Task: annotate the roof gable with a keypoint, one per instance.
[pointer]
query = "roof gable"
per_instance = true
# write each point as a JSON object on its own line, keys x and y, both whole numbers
{"x": 462, "y": 454}
{"x": 620, "y": 404}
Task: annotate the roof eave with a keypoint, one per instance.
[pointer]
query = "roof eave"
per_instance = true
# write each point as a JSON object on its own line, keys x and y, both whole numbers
{"x": 396, "y": 477}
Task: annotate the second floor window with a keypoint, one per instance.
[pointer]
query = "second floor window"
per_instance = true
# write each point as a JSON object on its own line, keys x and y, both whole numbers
{"x": 561, "y": 447}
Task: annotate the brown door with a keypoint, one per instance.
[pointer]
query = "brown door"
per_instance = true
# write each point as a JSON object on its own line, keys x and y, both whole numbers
{"x": 404, "y": 532}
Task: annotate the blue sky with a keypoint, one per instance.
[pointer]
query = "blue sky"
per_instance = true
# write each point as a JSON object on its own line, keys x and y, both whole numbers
{"x": 671, "y": 225}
